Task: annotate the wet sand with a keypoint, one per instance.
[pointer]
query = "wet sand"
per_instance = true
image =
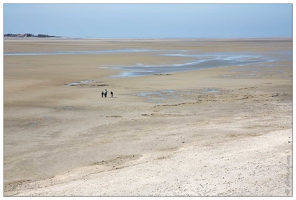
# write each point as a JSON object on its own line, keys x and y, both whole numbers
{"x": 214, "y": 132}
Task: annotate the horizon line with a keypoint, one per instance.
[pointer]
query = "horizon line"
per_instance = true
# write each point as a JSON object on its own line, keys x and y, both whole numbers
{"x": 149, "y": 38}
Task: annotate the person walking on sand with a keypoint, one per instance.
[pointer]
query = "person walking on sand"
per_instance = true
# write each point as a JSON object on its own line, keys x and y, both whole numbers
{"x": 111, "y": 94}
{"x": 105, "y": 93}
{"x": 102, "y": 94}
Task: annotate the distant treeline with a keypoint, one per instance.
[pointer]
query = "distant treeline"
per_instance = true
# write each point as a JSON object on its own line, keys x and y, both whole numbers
{"x": 27, "y": 35}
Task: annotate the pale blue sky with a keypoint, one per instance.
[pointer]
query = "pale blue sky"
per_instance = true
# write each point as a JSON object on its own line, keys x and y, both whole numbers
{"x": 150, "y": 20}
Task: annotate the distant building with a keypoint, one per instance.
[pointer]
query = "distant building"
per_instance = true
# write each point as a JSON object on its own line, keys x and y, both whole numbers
{"x": 28, "y": 35}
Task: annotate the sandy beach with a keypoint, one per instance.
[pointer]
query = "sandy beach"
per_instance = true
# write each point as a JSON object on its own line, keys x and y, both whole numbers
{"x": 222, "y": 131}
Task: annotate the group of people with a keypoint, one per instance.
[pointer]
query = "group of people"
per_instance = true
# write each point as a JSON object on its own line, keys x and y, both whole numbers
{"x": 104, "y": 93}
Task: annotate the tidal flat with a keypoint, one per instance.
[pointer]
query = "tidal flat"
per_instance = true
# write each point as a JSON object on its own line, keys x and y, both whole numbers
{"x": 220, "y": 127}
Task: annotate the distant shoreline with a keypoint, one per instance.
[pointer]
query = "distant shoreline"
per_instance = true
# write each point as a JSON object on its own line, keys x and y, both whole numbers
{"x": 154, "y": 39}
{"x": 28, "y": 35}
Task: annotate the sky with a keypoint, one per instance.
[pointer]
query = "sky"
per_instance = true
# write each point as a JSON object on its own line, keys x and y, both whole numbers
{"x": 130, "y": 20}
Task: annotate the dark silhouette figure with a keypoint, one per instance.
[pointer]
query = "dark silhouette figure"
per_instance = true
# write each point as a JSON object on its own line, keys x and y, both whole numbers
{"x": 111, "y": 94}
{"x": 105, "y": 93}
{"x": 102, "y": 94}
